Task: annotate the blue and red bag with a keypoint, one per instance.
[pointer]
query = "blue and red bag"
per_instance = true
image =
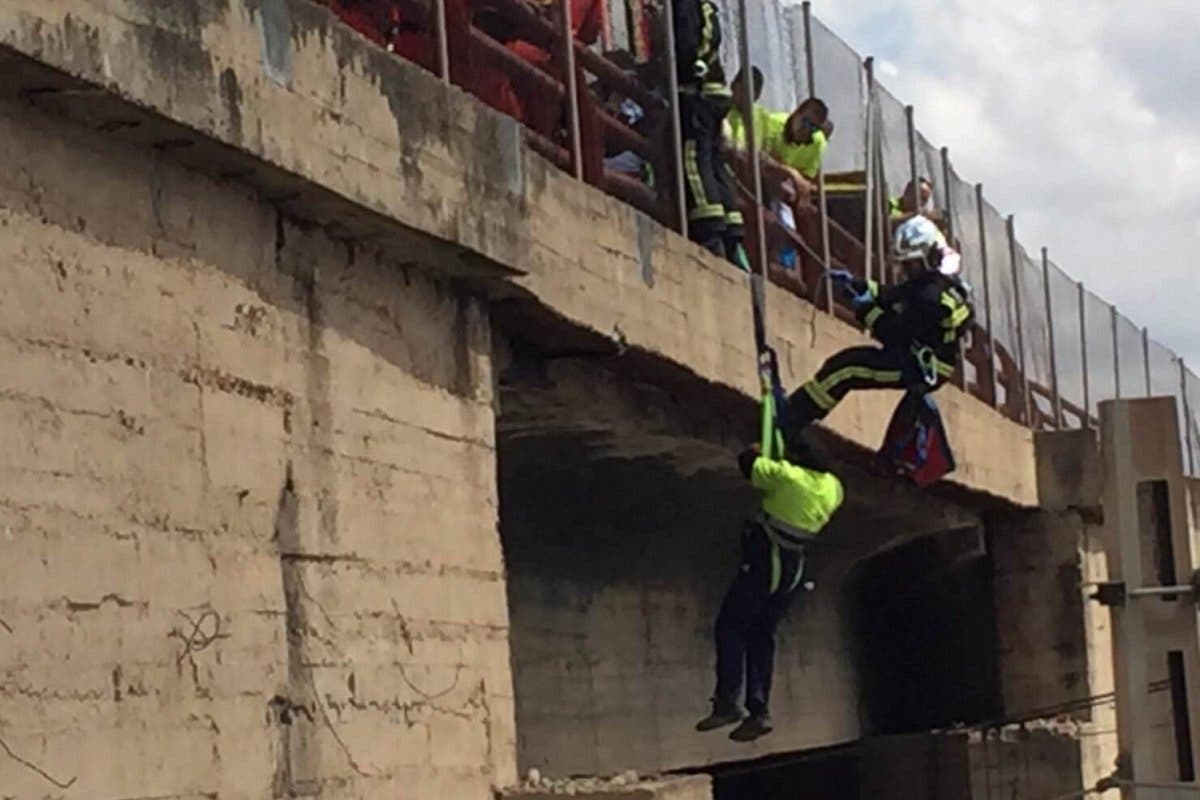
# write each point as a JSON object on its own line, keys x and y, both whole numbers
{"x": 916, "y": 445}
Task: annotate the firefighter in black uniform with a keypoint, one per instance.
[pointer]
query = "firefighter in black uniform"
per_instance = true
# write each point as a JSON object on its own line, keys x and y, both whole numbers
{"x": 714, "y": 219}
{"x": 919, "y": 324}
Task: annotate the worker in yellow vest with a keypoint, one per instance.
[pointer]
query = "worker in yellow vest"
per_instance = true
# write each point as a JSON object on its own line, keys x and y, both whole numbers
{"x": 799, "y": 495}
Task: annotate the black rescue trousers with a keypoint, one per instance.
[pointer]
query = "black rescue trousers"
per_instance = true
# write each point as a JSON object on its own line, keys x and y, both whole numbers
{"x": 755, "y": 603}
{"x": 851, "y": 369}
{"x": 714, "y": 220}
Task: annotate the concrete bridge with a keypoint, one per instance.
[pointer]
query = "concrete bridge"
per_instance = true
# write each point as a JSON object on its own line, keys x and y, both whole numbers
{"x": 353, "y": 450}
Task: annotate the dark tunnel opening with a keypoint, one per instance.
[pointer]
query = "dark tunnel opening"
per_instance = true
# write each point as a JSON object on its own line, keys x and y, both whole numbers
{"x": 925, "y": 632}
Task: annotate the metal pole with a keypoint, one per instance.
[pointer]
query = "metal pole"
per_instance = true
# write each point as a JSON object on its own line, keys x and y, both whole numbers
{"x": 1055, "y": 397}
{"x": 810, "y": 72}
{"x": 869, "y": 172}
{"x": 1187, "y": 417}
{"x": 676, "y": 124}
{"x": 1112, "y": 314}
{"x": 912, "y": 158}
{"x": 568, "y": 46}
{"x": 881, "y": 203}
{"x": 962, "y": 347}
{"x": 987, "y": 296}
{"x": 443, "y": 42}
{"x": 949, "y": 196}
{"x": 1087, "y": 396}
{"x": 1026, "y": 397}
{"x": 752, "y": 145}
{"x": 1146, "y": 359}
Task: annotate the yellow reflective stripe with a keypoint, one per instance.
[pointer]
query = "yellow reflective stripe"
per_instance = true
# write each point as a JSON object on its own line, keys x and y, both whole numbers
{"x": 705, "y": 50}
{"x": 776, "y": 567}
{"x": 872, "y": 317}
{"x": 704, "y": 209}
{"x": 849, "y": 373}
{"x": 819, "y": 396}
{"x": 873, "y": 286}
{"x": 943, "y": 369}
{"x": 734, "y": 218}
{"x": 716, "y": 90}
{"x": 799, "y": 573}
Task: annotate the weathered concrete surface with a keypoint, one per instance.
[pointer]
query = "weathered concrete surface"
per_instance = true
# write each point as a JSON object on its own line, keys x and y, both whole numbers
{"x": 377, "y": 142}
{"x": 248, "y": 497}
{"x": 688, "y": 787}
{"x": 1033, "y": 762}
{"x": 621, "y": 512}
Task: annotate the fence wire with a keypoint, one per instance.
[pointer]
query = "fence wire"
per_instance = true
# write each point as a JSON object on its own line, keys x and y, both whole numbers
{"x": 1101, "y": 356}
{"x": 1068, "y": 344}
{"x": 893, "y": 141}
{"x": 1035, "y": 329}
{"x": 1131, "y": 361}
{"x": 929, "y": 165}
{"x": 839, "y": 80}
{"x": 1192, "y": 428}
{"x": 1166, "y": 380}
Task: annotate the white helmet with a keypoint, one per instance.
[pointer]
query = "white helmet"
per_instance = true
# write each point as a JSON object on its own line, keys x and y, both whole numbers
{"x": 915, "y": 238}
{"x": 919, "y": 239}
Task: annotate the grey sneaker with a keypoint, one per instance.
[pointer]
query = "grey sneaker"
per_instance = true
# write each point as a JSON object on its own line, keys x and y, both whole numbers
{"x": 721, "y": 716}
{"x": 752, "y": 727}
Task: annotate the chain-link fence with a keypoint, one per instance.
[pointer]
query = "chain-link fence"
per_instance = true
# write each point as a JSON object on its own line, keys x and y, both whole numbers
{"x": 1068, "y": 345}
{"x": 838, "y": 79}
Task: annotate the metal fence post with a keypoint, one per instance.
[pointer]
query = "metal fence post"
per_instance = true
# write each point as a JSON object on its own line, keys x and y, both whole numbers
{"x": 1187, "y": 417}
{"x": 987, "y": 297}
{"x": 1026, "y": 398}
{"x": 949, "y": 195}
{"x": 568, "y": 46}
{"x": 1055, "y": 397}
{"x": 676, "y": 123}
{"x": 747, "y": 111}
{"x": 443, "y": 41}
{"x": 1146, "y": 359}
{"x": 914, "y": 177}
{"x": 1116, "y": 346}
{"x": 1087, "y": 396}
{"x": 869, "y": 172}
{"x": 810, "y": 71}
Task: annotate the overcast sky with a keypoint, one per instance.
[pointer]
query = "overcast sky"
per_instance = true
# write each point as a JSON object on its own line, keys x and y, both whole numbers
{"x": 1079, "y": 116}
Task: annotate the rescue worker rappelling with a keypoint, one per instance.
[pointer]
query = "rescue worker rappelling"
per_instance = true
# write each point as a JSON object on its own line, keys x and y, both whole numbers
{"x": 918, "y": 323}
{"x": 714, "y": 218}
{"x": 799, "y": 495}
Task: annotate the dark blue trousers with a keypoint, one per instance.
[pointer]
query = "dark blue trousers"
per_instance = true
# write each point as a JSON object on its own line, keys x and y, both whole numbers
{"x": 755, "y": 603}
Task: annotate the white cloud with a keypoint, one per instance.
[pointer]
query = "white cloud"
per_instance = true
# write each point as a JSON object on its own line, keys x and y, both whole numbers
{"x": 1078, "y": 116}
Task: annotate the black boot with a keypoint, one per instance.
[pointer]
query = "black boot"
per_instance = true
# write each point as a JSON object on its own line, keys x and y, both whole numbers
{"x": 754, "y": 726}
{"x": 723, "y": 714}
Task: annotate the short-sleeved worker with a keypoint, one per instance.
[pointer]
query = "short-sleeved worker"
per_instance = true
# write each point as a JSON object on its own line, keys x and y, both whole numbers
{"x": 769, "y": 128}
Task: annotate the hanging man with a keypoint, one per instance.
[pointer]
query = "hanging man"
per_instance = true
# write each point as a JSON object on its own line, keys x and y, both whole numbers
{"x": 799, "y": 494}
{"x": 714, "y": 217}
{"x": 918, "y": 323}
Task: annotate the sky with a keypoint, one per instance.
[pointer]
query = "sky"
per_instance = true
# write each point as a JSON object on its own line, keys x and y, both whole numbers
{"x": 1078, "y": 116}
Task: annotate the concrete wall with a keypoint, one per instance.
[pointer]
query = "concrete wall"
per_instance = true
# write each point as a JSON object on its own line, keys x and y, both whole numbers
{"x": 248, "y": 497}
{"x": 1017, "y": 763}
{"x": 388, "y": 150}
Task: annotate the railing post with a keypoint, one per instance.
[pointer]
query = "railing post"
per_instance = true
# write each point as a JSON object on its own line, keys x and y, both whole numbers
{"x": 1055, "y": 397}
{"x": 962, "y": 348}
{"x": 1026, "y": 399}
{"x": 869, "y": 171}
{"x": 810, "y": 75}
{"x": 1116, "y": 347}
{"x": 987, "y": 297}
{"x": 568, "y": 48}
{"x": 1087, "y": 394}
{"x": 676, "y": 123}
{"x": 914, "y": 177}
{"x": 747, "y": 111}
{"x": 1146, "y": 359}
{"x": 443, "y": 40}
{"x": 1187, "y": 417}
{"x": 949, "y": 195}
